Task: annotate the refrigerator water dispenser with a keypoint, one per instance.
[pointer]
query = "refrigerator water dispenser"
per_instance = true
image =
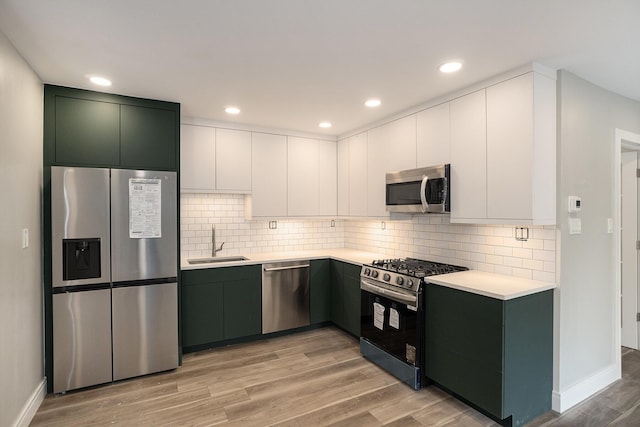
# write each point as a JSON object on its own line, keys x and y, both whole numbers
{"x": 80, "y": 259}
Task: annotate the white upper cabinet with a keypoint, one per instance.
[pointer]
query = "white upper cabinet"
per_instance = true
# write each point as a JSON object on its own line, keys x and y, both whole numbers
{"x": 390, "y": 147}
{"x": 269, "y": 174}
{"x": 343, "y": 177}
{"x": 469, "y": 158}
{"x": 432, "y": 134}
{"x": 233, "y": 160}
{"x": 312, "y": 176}
{"x": 197, "y": 158}
{"x": 521, "y": 146}
{"x": 357, "y": 176}
{"x": 328, "y": 178}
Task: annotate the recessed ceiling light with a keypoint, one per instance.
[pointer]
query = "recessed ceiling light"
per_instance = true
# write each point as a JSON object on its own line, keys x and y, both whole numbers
{"x": 373, "y": 102}
{"x": 450, "y": 67}
{"x": 325, "y": 124}
{"x": 100, "y": 81}
{"x": 232, "y": 110}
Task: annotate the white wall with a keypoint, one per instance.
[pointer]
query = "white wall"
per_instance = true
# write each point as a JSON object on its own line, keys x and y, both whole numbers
{"x": 585, "y": 322}
{"x": 21, "y": 348}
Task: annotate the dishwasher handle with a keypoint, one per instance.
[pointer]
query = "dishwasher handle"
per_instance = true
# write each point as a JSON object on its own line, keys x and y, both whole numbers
{"x": 290, "y": 267}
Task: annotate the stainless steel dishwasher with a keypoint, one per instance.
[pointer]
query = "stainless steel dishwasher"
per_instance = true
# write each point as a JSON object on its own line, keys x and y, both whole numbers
{"x": 285, "y": 295}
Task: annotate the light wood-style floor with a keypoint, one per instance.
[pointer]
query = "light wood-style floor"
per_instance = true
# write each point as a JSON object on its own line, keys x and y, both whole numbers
{"x": 306, "y": 379}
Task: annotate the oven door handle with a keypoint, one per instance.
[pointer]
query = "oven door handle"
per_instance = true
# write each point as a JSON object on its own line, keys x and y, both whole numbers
{"x": 423, "y": 195}
{"x": 397, "y": 296}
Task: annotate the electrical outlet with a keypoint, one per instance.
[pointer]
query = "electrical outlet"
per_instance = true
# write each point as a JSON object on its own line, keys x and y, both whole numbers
{"x": 575, "y": 226}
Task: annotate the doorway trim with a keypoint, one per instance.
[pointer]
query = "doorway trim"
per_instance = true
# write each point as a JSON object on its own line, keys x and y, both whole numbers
{"x": 630, "y": 140}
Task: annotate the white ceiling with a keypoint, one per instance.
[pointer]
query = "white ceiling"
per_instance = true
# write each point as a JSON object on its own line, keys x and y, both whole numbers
{"x": 292, "y": 63}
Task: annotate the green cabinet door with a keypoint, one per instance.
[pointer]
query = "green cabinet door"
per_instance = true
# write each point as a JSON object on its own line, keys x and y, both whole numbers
{"x": 202, "y": 306}
{"x": 351, "y": 298}
{"x": 464, "y": 338}
{"x": 86, "y": 132}
{"x": 220, "y": 304}
{"x": 148, "y": 138}
{"x": 337, "y": 293}
{"x": 242, "y": 308}
{"x": 320, "y": 292}
{"x": 496, "y": 354}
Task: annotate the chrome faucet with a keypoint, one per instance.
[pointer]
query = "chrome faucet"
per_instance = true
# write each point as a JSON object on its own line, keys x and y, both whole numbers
{"x": 214, "y": 251}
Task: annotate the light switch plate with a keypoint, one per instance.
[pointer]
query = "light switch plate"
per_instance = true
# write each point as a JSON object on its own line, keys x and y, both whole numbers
{"x": 610, "y": 225}
{"x": 575, "y": 226}
{"x": 25, "y": 238}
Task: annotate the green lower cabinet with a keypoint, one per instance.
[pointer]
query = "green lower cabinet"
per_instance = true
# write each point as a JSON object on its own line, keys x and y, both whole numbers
{"x": 320, "y": 291}
{"x": 497, "y": 355}
{"x": 337, "y": 293}
{"x": 352, "y": 299}
{"x": 345, "y": 296}
{"x": 220, "y": 304}
{"x": 201, "y": 313}
{"x": 242, "y": 308}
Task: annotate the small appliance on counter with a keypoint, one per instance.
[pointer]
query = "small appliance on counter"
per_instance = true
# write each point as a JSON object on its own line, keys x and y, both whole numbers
{"x": 392, "y": 321}
{"x": 114, "y": 274}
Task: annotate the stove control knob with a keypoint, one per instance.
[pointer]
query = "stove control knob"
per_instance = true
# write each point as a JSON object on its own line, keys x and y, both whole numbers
{"x": 386, "y": 277}
{"x": 367, "y": 271}
{"x": 409, "y": 283}
{"x": 374, "y": 273}
{"x": 399, "y": 280}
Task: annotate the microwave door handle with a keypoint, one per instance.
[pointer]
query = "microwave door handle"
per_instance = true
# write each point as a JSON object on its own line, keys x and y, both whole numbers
{"x": 423, "y": 195}
{"x": 444, "y": 194}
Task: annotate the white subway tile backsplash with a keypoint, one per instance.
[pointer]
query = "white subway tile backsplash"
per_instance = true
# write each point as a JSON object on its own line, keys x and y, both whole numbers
{"x": 482, "y": 247}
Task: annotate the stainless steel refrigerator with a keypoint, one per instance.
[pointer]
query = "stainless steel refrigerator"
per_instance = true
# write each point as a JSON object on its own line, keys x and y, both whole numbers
{"x": 114, "y": 271}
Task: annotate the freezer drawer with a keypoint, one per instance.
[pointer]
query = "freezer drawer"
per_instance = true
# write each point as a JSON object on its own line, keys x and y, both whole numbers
{"x": 145, "y": 329}
{"x": 81, "y": 339}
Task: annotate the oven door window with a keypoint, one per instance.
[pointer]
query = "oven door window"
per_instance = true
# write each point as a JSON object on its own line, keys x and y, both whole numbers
{"x": 391, "y": 326}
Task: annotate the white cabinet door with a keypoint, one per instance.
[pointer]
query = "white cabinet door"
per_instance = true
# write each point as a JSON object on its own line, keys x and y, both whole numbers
{"x": 303, "y": 176}
{"x": 197, "y": 158}
{"x": 510, "y": 148}
{"x": 468, "y": 158}
{"x": 233, "y": 160}
{"x": 328, "y": 178}
{"x": 269, "y": 174}
{"x": 432, "y": 132}
{"x": 358, "y": 175}
{"x": 521, "y": 150}
{"x": 343, "y": 177}
{"x": 391, "y": 147}
{"x": 311, "y": 177}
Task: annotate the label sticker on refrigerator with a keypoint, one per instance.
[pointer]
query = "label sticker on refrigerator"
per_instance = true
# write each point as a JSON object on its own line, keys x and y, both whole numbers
{"x": 145, "y": 207}
{"x": 378, "y": 315}
{"x": 394, "y": 318}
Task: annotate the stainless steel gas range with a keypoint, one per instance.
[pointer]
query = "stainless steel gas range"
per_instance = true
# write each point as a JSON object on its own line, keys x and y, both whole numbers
{"x": 392, "y": 321}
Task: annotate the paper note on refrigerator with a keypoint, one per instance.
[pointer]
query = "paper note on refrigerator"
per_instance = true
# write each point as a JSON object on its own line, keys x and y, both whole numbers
{"x": 145, "y": 207}
{"x": 394, "y": 318}
{"x": 378, "y": 315}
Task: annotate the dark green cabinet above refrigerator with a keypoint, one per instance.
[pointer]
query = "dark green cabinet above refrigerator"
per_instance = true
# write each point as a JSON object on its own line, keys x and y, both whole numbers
{"x": 85, "y": 128}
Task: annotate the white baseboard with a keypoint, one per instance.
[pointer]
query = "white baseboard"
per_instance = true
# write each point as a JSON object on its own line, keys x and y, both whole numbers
{"x": 566, "y": 399}
{"x": 32, "y": 405}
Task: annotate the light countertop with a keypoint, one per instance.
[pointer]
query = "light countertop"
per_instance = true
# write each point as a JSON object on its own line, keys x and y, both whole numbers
{"x": 346, "y": 255}
{"x": 491, "y": 285}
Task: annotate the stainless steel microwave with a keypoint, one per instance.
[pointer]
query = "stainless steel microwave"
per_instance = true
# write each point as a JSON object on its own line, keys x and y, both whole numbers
{"x": 422, "y": 190}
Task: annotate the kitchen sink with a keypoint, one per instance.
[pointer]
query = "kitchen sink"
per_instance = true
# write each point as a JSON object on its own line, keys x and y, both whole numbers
{"x": 216, "y": 259}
